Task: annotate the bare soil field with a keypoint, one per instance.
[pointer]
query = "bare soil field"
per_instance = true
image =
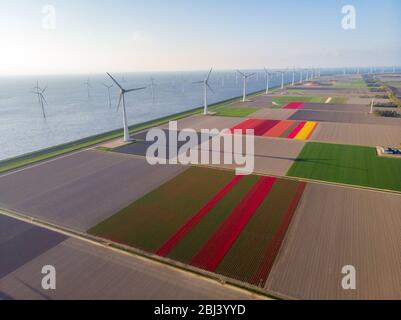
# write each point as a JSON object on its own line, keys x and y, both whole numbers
{"x": 14, "y": 235}
{"x": 86, "y": 271}
{"x": 274, "y": 114}
{"x": 336, "y": 107}
{"x": 334, "y": 227}
{"x": 330, "y": 91}
{"x": 82, "y": 189}
{"x": 199, "y": 122}
{"x": 345, "y": 117}
{"x": 358, "y": 134}
{"x": 271, "y": 155}
{"x": 366, "y": 101}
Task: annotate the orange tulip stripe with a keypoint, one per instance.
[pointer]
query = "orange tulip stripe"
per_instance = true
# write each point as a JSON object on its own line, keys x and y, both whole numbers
{"x": 299, "y": 130}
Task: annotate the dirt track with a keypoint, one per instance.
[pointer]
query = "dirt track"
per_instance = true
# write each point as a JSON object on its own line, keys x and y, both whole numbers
{"x": 334, "y": 227}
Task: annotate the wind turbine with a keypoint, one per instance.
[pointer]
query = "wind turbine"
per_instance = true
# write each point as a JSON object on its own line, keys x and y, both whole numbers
{"x": 108, "y": 90}
{"x": 152, "y": 87}
{"x": 267, "y": 80}
{"x": 39, "y": 92}
{"x": 245, "y": 77}
{"x": 88, "y": 86}
{"x": 293, "y": 77}
{"x": 122, "y": 98}
{"x": 282, "y": 79}
{"x": 206, "y": 86}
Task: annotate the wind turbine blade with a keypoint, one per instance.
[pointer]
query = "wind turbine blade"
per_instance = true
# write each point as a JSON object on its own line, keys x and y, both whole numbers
{"x": 119, "y": 101}
{"x": 43, "y": 98}
{"x": 210, "y": 88}
{"x": 115, "y": 81}
{"x": 208, "y": 76}
{"x": 135, "y": 89}
{"x": 197, "y": 82}
{"x": 43, "y": 91}
{"x": 241, "y": 73}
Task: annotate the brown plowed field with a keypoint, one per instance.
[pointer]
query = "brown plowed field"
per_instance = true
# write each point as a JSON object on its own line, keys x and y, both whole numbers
{"x": 337, "y": 226}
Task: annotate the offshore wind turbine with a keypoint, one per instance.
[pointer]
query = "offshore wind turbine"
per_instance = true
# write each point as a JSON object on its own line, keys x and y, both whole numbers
{"x": 267, "y": 80}
{"x": 293, "y": 77}
{"x": 41, "y": 98}
{"x": 245, "y": 77}
{"x": 122, "y": 99}
{"x": 282, "y": 79}
{"x": 88, "y": 87}
{"x": 206, "y": 86}
{"x": 152, "y": 87}
{"x": 108, "y": 87}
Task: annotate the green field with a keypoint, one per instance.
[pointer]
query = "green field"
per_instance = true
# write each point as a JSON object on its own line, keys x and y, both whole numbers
{"x": 354, "y": 165}
{"x": 338, "y": 100}
{"x": 357, "y": 84}
{"x": 234, "y": 112}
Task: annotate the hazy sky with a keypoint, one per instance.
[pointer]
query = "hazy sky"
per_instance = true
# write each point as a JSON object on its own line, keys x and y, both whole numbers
{"x": 93, "y": 36}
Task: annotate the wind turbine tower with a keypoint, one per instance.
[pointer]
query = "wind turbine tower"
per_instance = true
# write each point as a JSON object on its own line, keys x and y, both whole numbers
{"x": 206, "y": 86}
{"x": 122, "y": 99}
{"x": 245, "y": 77}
